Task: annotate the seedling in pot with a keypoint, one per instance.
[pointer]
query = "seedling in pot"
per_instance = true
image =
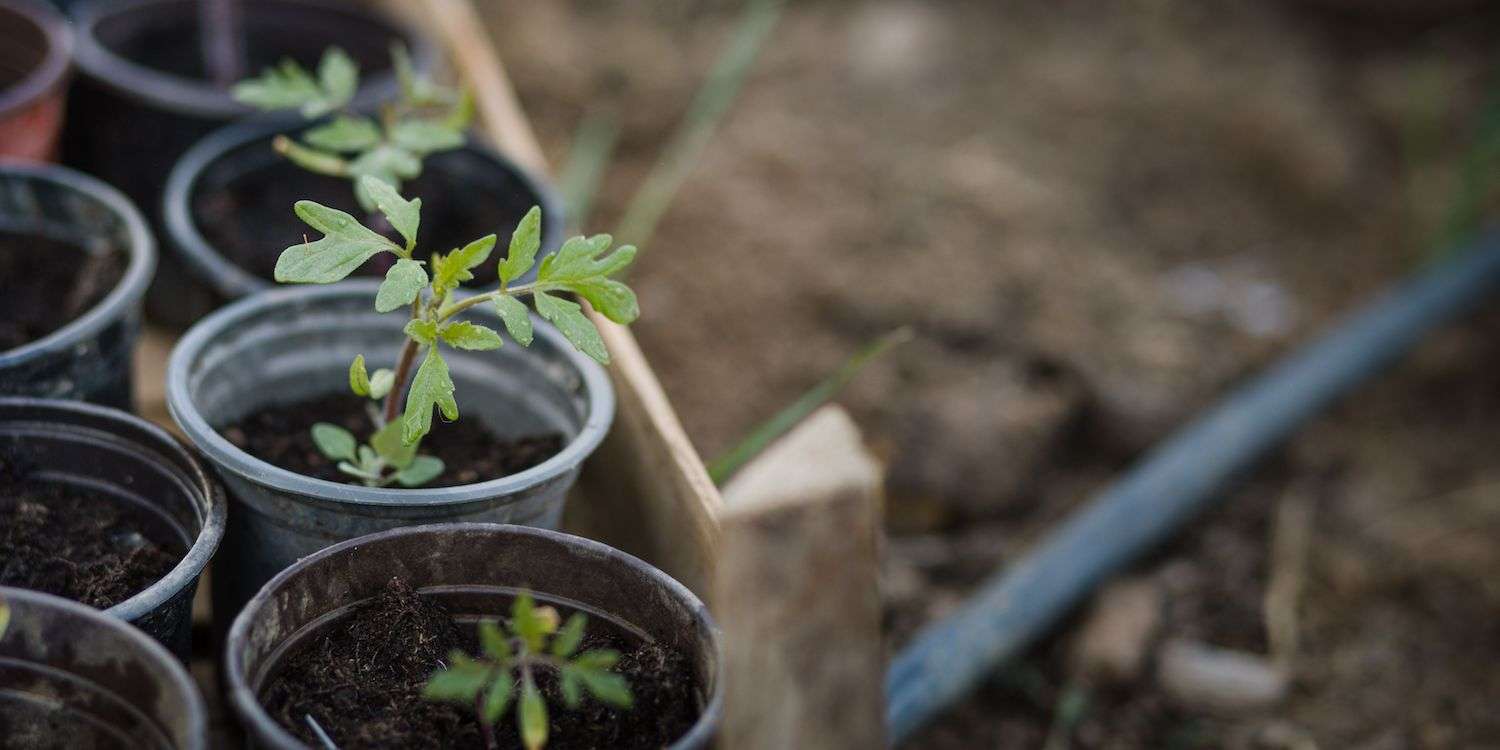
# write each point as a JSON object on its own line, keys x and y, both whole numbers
{"x": 425, "y": 119}
{"x": 582, "y": 266}
{"x": 513, "y": 654}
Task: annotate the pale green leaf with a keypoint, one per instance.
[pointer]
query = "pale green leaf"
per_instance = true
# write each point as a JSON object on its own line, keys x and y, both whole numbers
{"x": 424, "y": 331}
{"x": 388, "y": 444}
{"x": 526, "y": 624}
{"x": 426, "y": 136}
{"x": 405, "y": 215}
{"x": 600, "y": 658}
{"x": 568, "y": 682}
{"x": 403, "y": 282}
{"x": 286, "y": 86}
{"x": 380, "y": 382}
{"x": 611, "y": 298}
{"x": 334, "y": 442}
{"x": 533, "y": 717}
{"x": 608, "y": 687}
{"x": 423, "y": 469}
{"x": 339, "y": 78}
{"x": 472, "y": 336}
{"x": 359, "y": 379}
{"x": 345, "y": 134}
{"x": 387, "y": 160}
{"x": 460, "y": 682}
{"x": 571, "y": 634}
{"x": 524, "y": 244}
{"x": 497, "y": 698}
{"x": 517, "y": 318}
{"x": 432, "y": 387}
{"x": 493, "y": 640}
{"x": 345, "y": 247}
{"x": 454, "y": 268}
{"x": 582, "y": 259}
{"x": 569, "y": 318}
{"x": 359, "y": 472}
{"x": 312, "y": 159}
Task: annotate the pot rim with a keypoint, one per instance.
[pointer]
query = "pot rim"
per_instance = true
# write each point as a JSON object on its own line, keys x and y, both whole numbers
{"x": 198, "y": 97}
{"x": 193, "y": 562}
{"x": 132, "y": 284}
{"x": 181, "y": 680}
{"x": 250, "y": 711}
{"x": 228, "y": 278}
{"x": 48, "y": 74}
{"x": 598, "y": 393}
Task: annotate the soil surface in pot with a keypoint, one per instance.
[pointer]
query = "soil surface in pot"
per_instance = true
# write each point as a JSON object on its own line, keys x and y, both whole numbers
{"x": 362, "y": 679}
{"x": 251, "y": 221}
{"x": 46, "y": 283}
{"x": 281, "y": 435}
{"x": 76, "y": 543}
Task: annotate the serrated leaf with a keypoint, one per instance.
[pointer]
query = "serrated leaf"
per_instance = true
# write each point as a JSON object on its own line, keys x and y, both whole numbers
{"x": 608, "y": 687}
{"x": 493, "y": 640}
{"x": 380, "y": 383}
{"x": 532, "y": 717}
{"x": 568, "y": 683}
{"x": 345, "y": 247}
{"x": 285, "y": 86}
{"x": 359, "y": 379}
{"x": 339, "y": 78}
{"x": 432, "y": 387}
{"x": 388, "y": 444}
{"x": 334, "y": 441}
{"x": 567, "y": 639}
{"x": 569, "y": 318}
{"x": 426, "y": 136}
{"x": 582, "y": 259}
{"x": 405, "y": 215}
{"x": 524, "y": 244}
{"x": 454, "y": 268}
{"x": 497, "y": 698}
{"x": 345, "y": 135}
{"x": 517, "y": 318}
{"x": 424, "y": 331}
{"x": 471, "y": 336}
{"x": 403, "y": 282}
{"x": 460, "y": 682}
{"x": 611, "y": 298}
{"x": 423, "y": 469}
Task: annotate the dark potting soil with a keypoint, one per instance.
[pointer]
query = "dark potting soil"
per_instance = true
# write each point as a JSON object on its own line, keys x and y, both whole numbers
{"x": 281, "y": 435}
{"x": 46, "y": 283}
{"x": 76, "y": 543}
{"x": 362, "y": 679}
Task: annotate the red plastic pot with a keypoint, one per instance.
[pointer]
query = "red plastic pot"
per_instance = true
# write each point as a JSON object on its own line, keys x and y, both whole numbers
{"x": 36, "y": 53}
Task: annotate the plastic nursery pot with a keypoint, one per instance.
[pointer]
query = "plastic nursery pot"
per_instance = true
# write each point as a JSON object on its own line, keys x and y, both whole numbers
{"x": 70, "y": 677}
{"x": 145, "y": 93}
{"x": 228, "y": 213}
{"x": 474, "y": 569}
{"x": 148, "y": 473}
{"x": 36, "y": 52}
{"x": 88, "y": 357}
{"x": 292, "y": 344}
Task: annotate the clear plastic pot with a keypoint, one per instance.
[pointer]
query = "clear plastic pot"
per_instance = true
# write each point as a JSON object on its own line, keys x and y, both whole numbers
{"x": 292, "y": 344}
{"x": 36, "y": 53}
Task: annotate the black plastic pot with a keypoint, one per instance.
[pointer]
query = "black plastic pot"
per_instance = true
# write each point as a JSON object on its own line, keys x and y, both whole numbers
{"x": 148, "y": 471}
{"x": 474, "y": 569}
{"x": 36, "y": 53}
{"x": 232, "y": 186}
{"x": 144, "y": 95}
{"x": 71, "y": 677}
{"x": 90, "y": 357}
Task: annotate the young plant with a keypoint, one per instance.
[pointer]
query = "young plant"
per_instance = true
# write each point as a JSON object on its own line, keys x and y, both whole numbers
{"x": 513, "y": 653}
{"x": 582, "y": 266}
{"x": 425, "y": 119}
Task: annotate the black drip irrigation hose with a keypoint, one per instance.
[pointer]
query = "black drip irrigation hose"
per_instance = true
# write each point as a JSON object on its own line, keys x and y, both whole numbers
{"x": 1171, "y": 485}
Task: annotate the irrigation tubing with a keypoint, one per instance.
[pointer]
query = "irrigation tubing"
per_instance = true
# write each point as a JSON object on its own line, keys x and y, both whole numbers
{"x": 1171, "y": 485}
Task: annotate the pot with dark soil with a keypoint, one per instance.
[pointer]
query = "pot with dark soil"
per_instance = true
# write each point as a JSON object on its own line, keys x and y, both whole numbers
{"x": 106, "y": 509}
{"x": 152, "y": 83}
{"x": 72, "y": 677}
{"x": 227, "y": 218}
{"x": 377, "y": 640}
{"x": 36, "y": 53}
{"x": 249, "y": 383}
{"x": 75, "y": 259}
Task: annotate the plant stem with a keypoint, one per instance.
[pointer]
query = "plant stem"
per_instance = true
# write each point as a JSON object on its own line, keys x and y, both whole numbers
{"x": 479, "y": 299}
{"x": 484, "y": 726}
{"x": 403, "y": 370}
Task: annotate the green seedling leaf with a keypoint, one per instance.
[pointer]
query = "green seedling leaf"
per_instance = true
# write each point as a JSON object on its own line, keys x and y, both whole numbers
{"x": 493, "y": 640}
{"x": 569, "y": 318}
{"x": 432, "y": 387}
{"x": 517, "y": 318}
{"x": 381, "y": 382}
{"x": 334, "y": 442}
{"x": 405, "y": 215}
{"x": 424, "y": 331}
{"x": 392, "y": 449}
{"x": 426, "y": 136}
{"x": 527, "y": 622}
{"x": 402, "y": 284}
{"x": 599, "y": 658}
{"x": 524, "y": 244}
{"x": 311, "y": 159}
{"x": 579, "y": 268}
{"x": 371, "y": 477}
{"x": 608, "y": 687}
{"x": 416, "y": 88}
{"x": 345, "y": 135}
{"x": 339, "y": 78}
{"x": 498, "y": 698}
{"x": 423, "y": 469}
{"x": 472, "y": 336}
{"x": 359, "y": 380}
{"x": 568, "y": 682}
{"x": 387, "y": 163}
{"x": 567, "y": 639}
{"x": 611, "y": 298}
{"x": 460, "y": 682}
{"x": 454, "y": 268}
{"x": 286, "y": 86}
{"x": 532, "y": 717}
{"x": 346, "y": 246}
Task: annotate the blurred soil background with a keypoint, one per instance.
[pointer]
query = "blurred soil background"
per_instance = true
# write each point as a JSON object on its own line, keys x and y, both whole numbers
{"x": 1097, "y": 217}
